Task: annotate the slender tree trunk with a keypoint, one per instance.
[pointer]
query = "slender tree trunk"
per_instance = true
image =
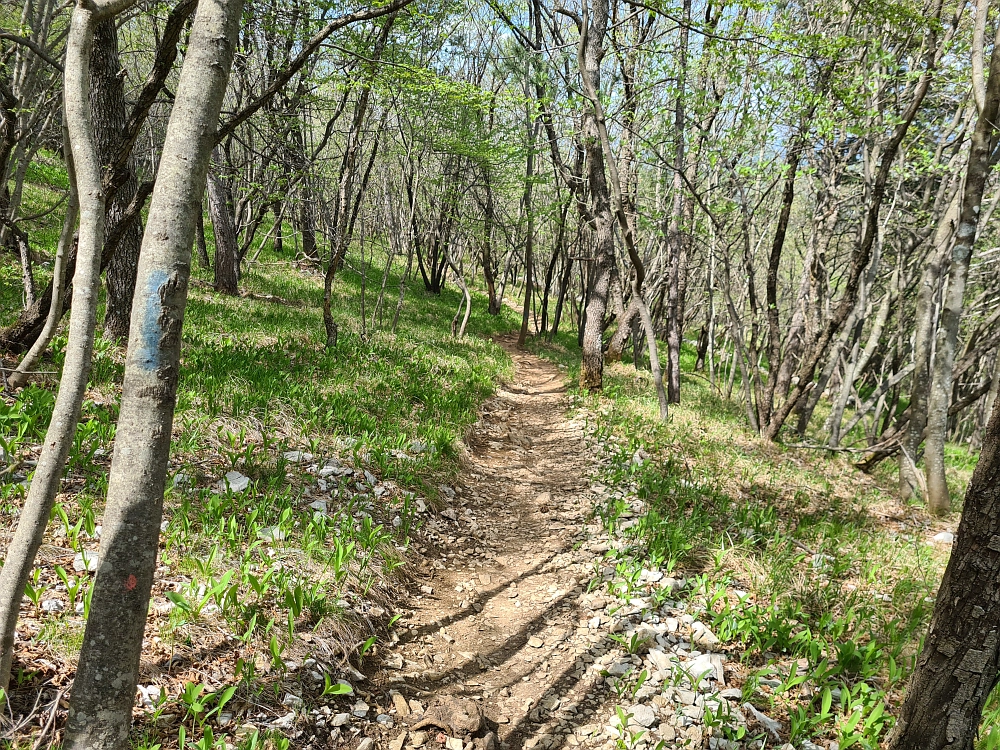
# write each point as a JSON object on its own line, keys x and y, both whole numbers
{"x": 59, "y": 277}
{"x": 676, "y": 240}
{"x": 79, "y": 348}
{"x": 923, "y": 335}
{"x": 983, "y": 143}
{"x": 529, "y": 238}
{"x": 227, "y": 271}
{"x": 100, "y": 712}
{"x": 202, "y": 246}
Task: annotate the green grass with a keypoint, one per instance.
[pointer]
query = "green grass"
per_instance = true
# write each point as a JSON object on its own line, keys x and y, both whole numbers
{"x": 252, "y": 571}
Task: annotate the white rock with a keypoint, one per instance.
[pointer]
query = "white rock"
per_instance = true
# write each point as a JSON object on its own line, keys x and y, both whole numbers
{"x": 53, "y": 605}
{"x": 945, "y": 537}
{"x": 650, "y": 576}
{"x": 643, "y": 715}
{"x": 360, "y": 709}
{"x": 318, "y": 505}
{"x": 774, "y": 727}
{"x": 85, "y": 561}
{"x": 293, "y": 701}
{"x": 235, "y": 482}
{"x": 661, "y": 660}
{"x": 298, "y": 457}
{"x": 366, "y": 744}
{"x": 284, "y": 722}
{"x": 340, "y": 720}
{"x": 271, "y": 534}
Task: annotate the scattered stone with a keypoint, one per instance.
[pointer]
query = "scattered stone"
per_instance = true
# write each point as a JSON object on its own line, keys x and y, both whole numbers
{"x": 234, "y": 482}
{"x": 642, "y": 715}
{"x": 340, "y": 720}
{"x": 455, "y": 715}
{"x": 293, "y": 701}
{"x": 397, "y": 744}
{"x": 86, "y": 562}
{"x": 535, "y": 642}
{"x": 774, "y": 727}
{"x": 53, "y": 605}
{"x": 298, "y": 457}
{"x": 945, "y": 537}
{"x": 366, "y": 744}
{"x": 271, "y": 534}
{"x": 400, "y": 704}
{"x": 284, "y": 722}
{"x": 418, "y": 739}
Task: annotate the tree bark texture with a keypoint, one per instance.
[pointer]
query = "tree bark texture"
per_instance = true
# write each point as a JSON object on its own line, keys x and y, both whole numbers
{"x": 107, "y": 99}
{"x": 227, "y": 262}
{"x": 100, "y": 710}
{"x": 592, "y": 365}
{"x": 960, "y": 661}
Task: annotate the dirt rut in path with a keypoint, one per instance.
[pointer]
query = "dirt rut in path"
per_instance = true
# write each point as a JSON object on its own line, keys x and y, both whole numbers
{"x": 496, "y": 619}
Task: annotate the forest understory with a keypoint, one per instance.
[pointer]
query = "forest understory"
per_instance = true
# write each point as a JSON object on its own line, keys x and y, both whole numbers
{"x": 532, "y": 567}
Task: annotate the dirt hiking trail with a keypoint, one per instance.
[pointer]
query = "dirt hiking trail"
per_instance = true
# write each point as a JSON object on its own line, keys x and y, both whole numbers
{"x": 496, "y": 619}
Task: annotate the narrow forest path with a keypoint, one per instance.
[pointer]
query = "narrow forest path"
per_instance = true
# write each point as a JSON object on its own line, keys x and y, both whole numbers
{"x": 496, "y": 618}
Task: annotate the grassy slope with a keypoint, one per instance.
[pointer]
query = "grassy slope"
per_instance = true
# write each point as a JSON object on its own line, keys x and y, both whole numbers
{"x": 805, "y": 567}
{"x": 257, "y": 382}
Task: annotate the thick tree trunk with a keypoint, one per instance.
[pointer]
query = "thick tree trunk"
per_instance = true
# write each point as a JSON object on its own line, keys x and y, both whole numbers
{"x": 107, "y": 97}
{"x": 983, "y": 142}
{"x": 960, "y": 661}
{"x": 592, "y": 365}
{"x": 100, "y": 710}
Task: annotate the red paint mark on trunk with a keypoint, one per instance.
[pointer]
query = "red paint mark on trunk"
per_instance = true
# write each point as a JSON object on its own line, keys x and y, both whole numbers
{"x": 130, "y": 583}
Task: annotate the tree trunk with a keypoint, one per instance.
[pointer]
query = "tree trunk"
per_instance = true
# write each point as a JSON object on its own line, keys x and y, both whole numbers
{"x": 227, "y": 271}
{"x": 79, "y": 348}
{"x": 202, "y": 246}
{"x": 592, "y": 365}
{"x": 983, "y": 142}
{"x": 923, "y": 334}
{"x": 676, "y": 241}
{"x": 100, "y": 710}
{"x": 64, "y": 252}
{"x": 529, "y": 238}
{"x": 107, "y": 98}
{"x": 960, "y": 661}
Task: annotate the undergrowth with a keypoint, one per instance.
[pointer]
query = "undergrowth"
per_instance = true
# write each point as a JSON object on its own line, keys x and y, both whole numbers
{"x": 810, "y": 572}
{"x": 340, "y": 450}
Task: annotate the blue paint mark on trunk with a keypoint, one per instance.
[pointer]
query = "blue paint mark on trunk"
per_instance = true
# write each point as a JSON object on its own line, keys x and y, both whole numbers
{"x": 150, "y": 332}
